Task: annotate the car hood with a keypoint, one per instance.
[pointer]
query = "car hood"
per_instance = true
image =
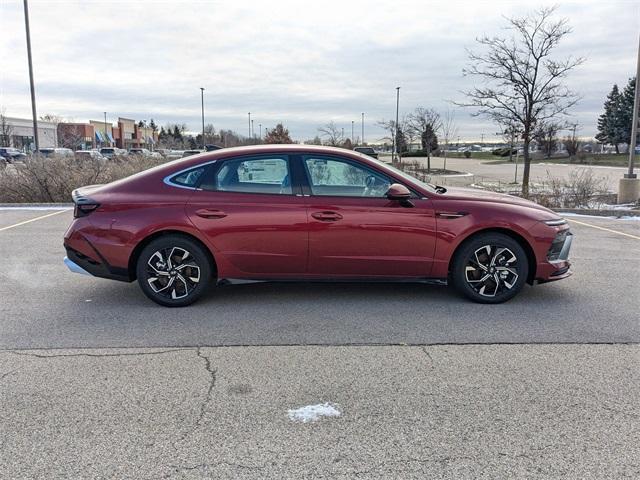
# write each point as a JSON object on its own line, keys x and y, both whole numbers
{"x": 474, "y": 194}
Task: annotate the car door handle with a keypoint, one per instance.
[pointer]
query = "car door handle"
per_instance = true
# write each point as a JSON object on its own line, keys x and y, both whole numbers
{"x": 210, "y": 213}
{"x": 326, "y": 216}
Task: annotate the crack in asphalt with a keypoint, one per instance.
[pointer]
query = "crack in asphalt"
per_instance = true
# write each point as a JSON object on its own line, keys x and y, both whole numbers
{"x": 177, "y": 469}
{"x": 424, "y": 349}
{"x": 2, "y": 377}
{"x": 98, "y": 355}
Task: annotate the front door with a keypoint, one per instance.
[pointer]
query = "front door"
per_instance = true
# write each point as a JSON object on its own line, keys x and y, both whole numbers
{"x": 355, "y": 231}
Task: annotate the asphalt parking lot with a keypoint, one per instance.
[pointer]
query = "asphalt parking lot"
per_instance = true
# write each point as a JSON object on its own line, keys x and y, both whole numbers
{"x": 46, "y": 306}
{"x": 98, "y": 382}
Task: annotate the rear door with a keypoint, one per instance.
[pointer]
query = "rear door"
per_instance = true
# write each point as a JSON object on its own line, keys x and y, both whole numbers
{"x": 253, "y": 216}
{"x": 355, "y": 231}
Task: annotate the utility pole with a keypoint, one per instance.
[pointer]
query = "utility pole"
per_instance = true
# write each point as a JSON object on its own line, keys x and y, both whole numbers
{"x": 260, "y": 127}
{"x": 395, "y": 133}
{"x": 253, "y": 134}
{"x": 202, "y": 99}
{"x": 352, "y": 140}
{"x": 629, "y": 187}
{"x": 362, "y": 138}
{"x": 249, "y": 124}
{"x": 33, "y": 90}
{"x": 105, "y": 127}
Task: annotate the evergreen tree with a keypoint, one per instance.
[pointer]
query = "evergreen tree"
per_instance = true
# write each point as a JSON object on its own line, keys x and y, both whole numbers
{"x": 610, "y": 124}
{"x": 627, "y": 97}
{"x": 278, "y": 135}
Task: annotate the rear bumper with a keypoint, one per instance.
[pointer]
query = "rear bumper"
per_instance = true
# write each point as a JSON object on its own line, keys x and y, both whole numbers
{"x": 77, "y": 262}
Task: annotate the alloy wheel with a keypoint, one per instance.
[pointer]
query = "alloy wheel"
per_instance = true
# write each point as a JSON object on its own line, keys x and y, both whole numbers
{"x": 172, "y": 273}
{"x": 492, "y": 270}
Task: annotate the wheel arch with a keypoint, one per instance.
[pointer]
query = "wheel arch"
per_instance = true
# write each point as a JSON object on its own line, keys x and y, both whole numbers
{"x": 522, "y": 241}
{"x": 135, "y": 254}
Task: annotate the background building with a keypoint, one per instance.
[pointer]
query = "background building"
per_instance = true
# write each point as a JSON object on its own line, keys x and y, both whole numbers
{"x": 18, "y": 133}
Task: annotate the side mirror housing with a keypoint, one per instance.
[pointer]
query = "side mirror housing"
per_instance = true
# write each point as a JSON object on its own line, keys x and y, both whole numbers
{"x": 398, "y": 192}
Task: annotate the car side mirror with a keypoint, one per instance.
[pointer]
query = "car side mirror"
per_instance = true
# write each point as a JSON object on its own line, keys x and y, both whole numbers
{"x": 399, "y": 193}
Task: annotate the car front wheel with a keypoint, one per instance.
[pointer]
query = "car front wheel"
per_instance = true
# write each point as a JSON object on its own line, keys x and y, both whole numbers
{"x": 490, "y": 268}
{"x": 173, "y": 271}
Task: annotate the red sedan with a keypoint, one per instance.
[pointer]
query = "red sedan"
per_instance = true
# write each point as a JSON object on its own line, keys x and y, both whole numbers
{"x": 298, "y": 212}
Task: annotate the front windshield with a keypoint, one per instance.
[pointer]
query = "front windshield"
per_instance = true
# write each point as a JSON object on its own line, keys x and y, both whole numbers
{"x": 406, "y": 176}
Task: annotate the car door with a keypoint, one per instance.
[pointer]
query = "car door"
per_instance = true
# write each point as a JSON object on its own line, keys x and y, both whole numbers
{"x": 355, "y": 231}
{"x": 248, "y": 209}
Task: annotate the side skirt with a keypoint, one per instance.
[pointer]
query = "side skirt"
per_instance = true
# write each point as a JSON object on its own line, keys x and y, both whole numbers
{"x": 242, "y": 281}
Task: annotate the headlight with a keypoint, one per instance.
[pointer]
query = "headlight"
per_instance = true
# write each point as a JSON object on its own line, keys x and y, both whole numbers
{"x": 555, "y": 223}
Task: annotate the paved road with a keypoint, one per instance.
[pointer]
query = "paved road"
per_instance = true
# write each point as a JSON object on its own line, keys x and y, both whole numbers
{"x": 539, "y": 412}
{"x": 42, "y": 305}
{"x": 485, "y": 171}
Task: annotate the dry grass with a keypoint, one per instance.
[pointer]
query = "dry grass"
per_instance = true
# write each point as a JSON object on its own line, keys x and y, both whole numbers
{"x": 52, "y": 179}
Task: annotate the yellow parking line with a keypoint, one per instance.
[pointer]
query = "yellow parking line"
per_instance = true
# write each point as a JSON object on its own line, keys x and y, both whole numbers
{"x": 34, "y": 219}
{"x": 603, "y": 228}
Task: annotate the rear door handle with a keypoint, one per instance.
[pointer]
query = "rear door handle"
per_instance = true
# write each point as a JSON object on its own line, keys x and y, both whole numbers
{"x": 326, "y": 216}
{"x": 210, "y": 213}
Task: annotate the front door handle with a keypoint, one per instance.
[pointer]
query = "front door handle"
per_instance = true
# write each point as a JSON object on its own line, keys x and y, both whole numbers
{"x": 210, "y": 213}
{"x": 326, "y": 216}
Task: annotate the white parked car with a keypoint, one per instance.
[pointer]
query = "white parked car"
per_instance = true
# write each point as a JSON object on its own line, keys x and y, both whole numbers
{"x": 89, "y": 155}
{"x": 139, "y": 151}
{"x": 110, "y": 152}
{"x": 58, "y": 152}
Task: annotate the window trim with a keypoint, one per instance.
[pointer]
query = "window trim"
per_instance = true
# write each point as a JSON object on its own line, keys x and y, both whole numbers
{"x": 307, "y": 181}
{"x": 167, "y": 180}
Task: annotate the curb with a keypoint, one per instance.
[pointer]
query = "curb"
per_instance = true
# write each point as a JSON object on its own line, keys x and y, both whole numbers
{"x": 599, "y": 213}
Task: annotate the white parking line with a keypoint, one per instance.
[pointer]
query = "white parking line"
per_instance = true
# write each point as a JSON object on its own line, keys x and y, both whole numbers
{"x": 603, "y": 228}
{"x": 33, "y": 219}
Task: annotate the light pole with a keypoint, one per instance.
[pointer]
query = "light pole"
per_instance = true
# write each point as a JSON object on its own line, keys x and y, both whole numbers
{"x": 395, "y": 133}
{"x": 629, "y": 186}
{"x": 260, "y": 130}
{"x": 253, "y": 135}
{"x": 249, "y": 124}
{"x": 105, "y": 127}
{"x": 202, "y": 101}
{"x": 362, "y": 139}
{"x": 33, "y": 90}
{"x": 352, "y": 140}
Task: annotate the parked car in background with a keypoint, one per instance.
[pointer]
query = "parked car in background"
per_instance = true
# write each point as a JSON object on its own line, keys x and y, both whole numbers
{"x": 110, "y": 152}
{"x": 170, "y": 154}
{"x": 367, "y": 151}
{"x": 308, "y": 213}
{"x": 139, "y": 151}
{"x": 89, "y": 155}
{"x": 59, "y": 152}
{"x": 11, "y": 154}
{"x": 211, "y": 147}
{"x": 188, "y": 153}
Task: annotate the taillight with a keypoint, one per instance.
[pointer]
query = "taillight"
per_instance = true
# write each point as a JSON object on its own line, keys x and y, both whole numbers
{"x": 84, "y": 209}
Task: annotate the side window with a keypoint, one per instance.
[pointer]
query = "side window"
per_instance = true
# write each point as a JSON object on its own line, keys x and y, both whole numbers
{"x": 342, "y": 178}
{"x": 255, "y": 175}
{"x": 189, "y": 178}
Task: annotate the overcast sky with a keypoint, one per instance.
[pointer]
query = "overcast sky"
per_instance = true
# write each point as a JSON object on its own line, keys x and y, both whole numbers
{"x": 301, "y": 63}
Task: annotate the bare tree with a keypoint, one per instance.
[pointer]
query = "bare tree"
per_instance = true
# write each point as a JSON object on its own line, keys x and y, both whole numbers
{"x": 571, "y": 142}
{"x": 332, "y": 133}
{"x": 546, "y": 136}
{"x": 396, "y": 134}
{"x": 6, "y": 130}
{"x": 449, "y": 130}
{"x": 523, "y": 84}
{"x": 425, "y": 123}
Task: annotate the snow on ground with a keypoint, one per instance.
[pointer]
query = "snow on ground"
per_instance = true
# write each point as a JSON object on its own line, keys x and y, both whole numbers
{"x": 624, "y": 217}
{"x": 312, "y": 413}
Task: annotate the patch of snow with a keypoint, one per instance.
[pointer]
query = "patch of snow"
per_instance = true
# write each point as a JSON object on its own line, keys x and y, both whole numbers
{"x": 625, "y": 217}
{"x": 312, "y": 413}
{"x": 17, "y": 207}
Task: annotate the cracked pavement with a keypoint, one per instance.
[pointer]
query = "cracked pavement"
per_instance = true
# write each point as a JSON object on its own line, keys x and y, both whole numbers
{"x": 491, "y": 411}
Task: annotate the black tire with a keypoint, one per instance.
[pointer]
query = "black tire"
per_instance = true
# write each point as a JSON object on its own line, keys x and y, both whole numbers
{"x": 490, "y": 268}
{"x": 181, "y": 269}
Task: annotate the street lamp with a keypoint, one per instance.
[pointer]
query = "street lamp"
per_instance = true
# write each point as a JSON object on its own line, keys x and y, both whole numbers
{"x": 260, "y": 129}
{"x": 395, "y": 133}
{"x": 105, "y": 126}
{"x": 253, "y": 135}
{"x": 362, "y": 139}
{"x": 352, "y": 140}
{"x": 33, "y": 91}
{"x": 202, "y": 102}
{"x": 629, "y": 187}
{"x": 249, "y": 124}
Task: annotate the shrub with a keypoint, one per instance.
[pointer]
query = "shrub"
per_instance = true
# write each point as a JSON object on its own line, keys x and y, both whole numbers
{"x": 52, "y": 179}
{"x": 467, "y": 154}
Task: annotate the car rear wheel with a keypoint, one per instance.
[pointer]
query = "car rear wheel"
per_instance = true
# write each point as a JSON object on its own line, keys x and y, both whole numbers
{"x": 490, "y": 268}
{"x": 173, "y": 271}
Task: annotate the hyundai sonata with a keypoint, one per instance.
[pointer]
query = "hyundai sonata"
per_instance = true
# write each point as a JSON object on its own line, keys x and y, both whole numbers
{"x": 305, "y": 213}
